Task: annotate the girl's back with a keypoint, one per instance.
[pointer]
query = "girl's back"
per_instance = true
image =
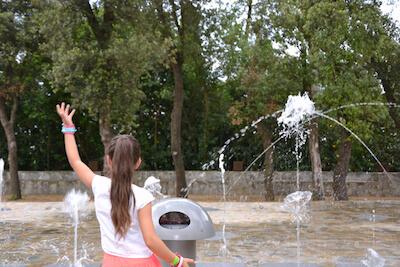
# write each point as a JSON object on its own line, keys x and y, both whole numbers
{"x": 133, "y": 244}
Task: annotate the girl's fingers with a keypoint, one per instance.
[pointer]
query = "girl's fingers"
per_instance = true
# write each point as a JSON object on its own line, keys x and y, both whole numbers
{"x": 188, "y": 260}
{"x": 72, "y": 113}
{"x": 63, "y": 112}
{"x": 60, "y": 111}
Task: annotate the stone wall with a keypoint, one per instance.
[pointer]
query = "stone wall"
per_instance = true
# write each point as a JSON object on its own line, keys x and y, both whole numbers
{"x": 208, "y": 183}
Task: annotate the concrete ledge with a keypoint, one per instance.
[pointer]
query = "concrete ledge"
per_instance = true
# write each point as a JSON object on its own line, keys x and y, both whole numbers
{"x": 209, "y": 182}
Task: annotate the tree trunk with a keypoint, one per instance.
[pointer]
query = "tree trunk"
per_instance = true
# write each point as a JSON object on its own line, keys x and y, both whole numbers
{"x": 341, "y": 168}
{"x": 313, "y": 142}
{"x": 315, "y": 157}
{"x": 177, "y": 71}
{"x": 15, "y": 188}
{"x": 203, "y": 151}
{"x": 106, "y": 136}
{"x": 249, "y": 16}
{"x": 266, "y": 136}
{"x": 176, "y": 124}
{"x": 8, "y": 126}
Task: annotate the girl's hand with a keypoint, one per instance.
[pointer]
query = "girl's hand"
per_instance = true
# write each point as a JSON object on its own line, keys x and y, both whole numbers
{"x": 186, "y": 262}
{"x": 65, "y": 114}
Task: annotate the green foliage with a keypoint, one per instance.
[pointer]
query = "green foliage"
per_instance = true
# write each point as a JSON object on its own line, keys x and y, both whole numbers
{"x": 19, "y": 62}
{"x": 102, "y": 73}
{"x": 38, "y": 131}
{"x": 236, "y": 68}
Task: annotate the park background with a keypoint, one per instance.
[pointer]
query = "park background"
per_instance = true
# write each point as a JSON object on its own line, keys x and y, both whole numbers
{"x": 185, "y": 76}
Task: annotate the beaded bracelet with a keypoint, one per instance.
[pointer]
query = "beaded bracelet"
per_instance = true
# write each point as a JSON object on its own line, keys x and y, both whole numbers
{"x": 180, "y": 264}
{"x": 175, "y": 261}
{"x": 68, "y": 129}
{"x": 178, "y": 261}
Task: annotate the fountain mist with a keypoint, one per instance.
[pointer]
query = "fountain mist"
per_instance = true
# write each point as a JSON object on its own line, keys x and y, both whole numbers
{"x": 373, "y": 259}
{"x": 297, "y": 204}
{"x": 153, "y": 185}
{"x": 298, "y": 111}
{"x": 76, "y": 202}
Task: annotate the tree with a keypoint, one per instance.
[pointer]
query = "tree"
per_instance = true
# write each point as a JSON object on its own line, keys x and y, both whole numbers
{"x": 344, "y": 37}
{"x": 18, "y": 51}
{"x": 387, "y": 69}
{"x": 261, "y": 77}
{"x": 386, "y": 64}
{"x": 334, "y": 41}
{"x": 99, "y": 55}
{"x": 179, "y": 23}
{"x": 289, "y": 20}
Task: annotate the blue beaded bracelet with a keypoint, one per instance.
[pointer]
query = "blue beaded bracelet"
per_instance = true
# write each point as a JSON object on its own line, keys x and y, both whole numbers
{"x": 68, "y": 130}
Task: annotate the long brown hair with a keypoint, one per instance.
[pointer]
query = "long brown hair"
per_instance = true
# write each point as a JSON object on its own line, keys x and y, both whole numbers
{"x": 124, "y": 151}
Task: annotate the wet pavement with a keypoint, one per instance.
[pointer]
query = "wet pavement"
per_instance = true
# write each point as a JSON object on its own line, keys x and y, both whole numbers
{"x": 257, "y": 234}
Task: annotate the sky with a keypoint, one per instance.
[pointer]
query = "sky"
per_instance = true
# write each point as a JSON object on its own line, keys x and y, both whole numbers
{"x": 392, "y": 8}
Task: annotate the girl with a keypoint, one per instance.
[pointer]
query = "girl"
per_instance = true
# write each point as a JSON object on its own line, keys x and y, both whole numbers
{"x": 123, "y": 209}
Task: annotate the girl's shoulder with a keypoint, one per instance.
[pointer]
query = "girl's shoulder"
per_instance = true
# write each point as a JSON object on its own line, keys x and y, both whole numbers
{"x": 100, "y": 182}
{"x": 140, "y": 191}
{"x": 103, "y": 178}
{"x": 142, "y": 196}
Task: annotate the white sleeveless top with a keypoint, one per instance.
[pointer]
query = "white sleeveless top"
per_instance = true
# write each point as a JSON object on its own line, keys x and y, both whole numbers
{"x": 132, "y": 245}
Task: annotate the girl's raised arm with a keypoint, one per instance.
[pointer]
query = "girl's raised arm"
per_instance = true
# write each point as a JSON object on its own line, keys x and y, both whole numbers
{"x": 84, "y": 173}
